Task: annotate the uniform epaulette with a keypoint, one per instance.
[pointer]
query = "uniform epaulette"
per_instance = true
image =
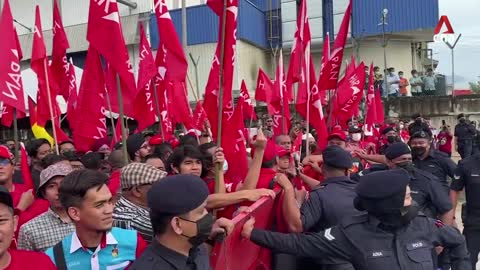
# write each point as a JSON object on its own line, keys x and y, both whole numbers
{"x": 352, "y": 220}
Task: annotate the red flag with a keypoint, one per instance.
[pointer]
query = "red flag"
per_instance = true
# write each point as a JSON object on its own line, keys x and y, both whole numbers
{"x": 297, "y": 144}
{"x": 179, "y": 105}
{"x": 349, "y": 94}
{"x": 7, "y": 115}
{"x": 281, "y": 117}
{"x": 329, "y": 76}
{"x": 73, "y": 94}
{"x": 110, "y": 77}
{"x": 264, "y": 87}
{"x": 199, "y": 117}
{"x": 164, "y": 104}
{"x": 233, "y": 144}
{"x": 25, "y": 169}
{"x": 301, "y": 41}
{"x": 173, "y": 58}
{"x": 11, "y": 87}
{"x": 248, "y": 109}
{"x": 144, "y": 110}
{"x": 379, "y": 108}
{"x": 59, "y": 65}
{"x": 90, "y": 103}
{"x": 371, "y": 115}
{"x": 211, "y": 90}
{"x": 40, "y": 67}
{"x": 32, "y": 110}
{"x": 104, "y": 33}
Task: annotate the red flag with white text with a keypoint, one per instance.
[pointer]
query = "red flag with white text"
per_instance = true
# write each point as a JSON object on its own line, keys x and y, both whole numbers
{"x": 371, "y": 115}
{"x": 11, "y": 87}
{"x": 380, "y": 113}
{"x": 73, "y": 94}
{"x": 90, "y": 103}
{"x": 264, "y": 90}
{"x": 199, "y": 117}
{"x": 59, "y": 65}
{"x": 281, "y": 117}
{"x": 248, "y": 109}
{"x": 349, "y": 94}
{"x": 144, "y": 106}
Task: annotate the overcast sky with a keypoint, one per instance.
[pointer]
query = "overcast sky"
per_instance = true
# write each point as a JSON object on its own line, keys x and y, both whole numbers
{"x": 464, "y": 17}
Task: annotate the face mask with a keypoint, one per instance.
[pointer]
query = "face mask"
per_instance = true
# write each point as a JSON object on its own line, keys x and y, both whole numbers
{"x": 391, "y": 139}
{"x": 225, "y": 166}
{"x": 402, "y": 126}
{"x": 392, "y": 73}
{"x": 418, "y": 121}
{"x": 356, "y": 137}
{"x": 204, "y": 228}
{"x": 462, "y": 120}
{"x": 415, "y": 75}
{"x": 418, "y": 151}
{"x": 406, "y": 165}
{"x": 401, "y": 76}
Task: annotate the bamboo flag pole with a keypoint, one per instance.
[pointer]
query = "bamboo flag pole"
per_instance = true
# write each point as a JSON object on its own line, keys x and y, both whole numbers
{"x": 110, "y": 115}
{"x": 157, "y": 106}
{"x": 124, "y": 133}
{"x": 50, "y": 106}
{"x": 15, "y": 133}
{"x": 220, "y": 92}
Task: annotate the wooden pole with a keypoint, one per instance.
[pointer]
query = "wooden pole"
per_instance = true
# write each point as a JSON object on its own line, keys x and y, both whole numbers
{"x": 157, "y": 106}
{"x": 220, "y": 92}
{"x": 110, "y": 115}
{"x": 307, "y": 78}
{"x": 50, "y": 107}
{"x": 124, "y": 133}
{"x": 15, "y": 133}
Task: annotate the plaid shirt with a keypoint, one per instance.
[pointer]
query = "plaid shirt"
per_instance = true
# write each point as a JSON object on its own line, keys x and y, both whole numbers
{"x": 43, "y": 232}
{"x": 128, "y": 215}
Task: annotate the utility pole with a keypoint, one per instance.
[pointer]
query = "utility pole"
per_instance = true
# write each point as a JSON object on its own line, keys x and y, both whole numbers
{"x": 452, "y": 48}
{"x": 383, "y": 23}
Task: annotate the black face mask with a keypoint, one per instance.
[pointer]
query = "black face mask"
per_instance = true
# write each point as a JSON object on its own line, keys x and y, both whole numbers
{"x": 204, "y": 228}
{"x": 406, "y": 165}
{"x": 418, "y": 151}
{"x": 392, "y": 139}
{"x": 462, "y": 120}
{"x": 398, "y": 218}
{"x": 418, "y": 121}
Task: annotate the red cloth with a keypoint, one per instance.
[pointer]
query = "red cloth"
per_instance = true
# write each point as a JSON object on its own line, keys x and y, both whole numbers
{"x": 141, "y": 246}
{"x": 38, "y": 207}
{"x": 444, "y": 142}
{"x": 22, "y": 259}
{"x": 114, "y": 182}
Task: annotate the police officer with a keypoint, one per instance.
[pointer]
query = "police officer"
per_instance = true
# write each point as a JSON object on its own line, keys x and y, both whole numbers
{"x": 467, "y": 176}
{"x": 427, "y": 191}
{"x": 430, "y": 160}
{"x": 464, "y": 133}
{"x": 181, "y": 225}
{"x": 327, "y": 204}
{"x": 391, "y": 235}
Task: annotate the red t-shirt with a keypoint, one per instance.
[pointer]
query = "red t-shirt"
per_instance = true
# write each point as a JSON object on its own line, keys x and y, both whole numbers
{"x": 114, "y": 182}
{"x": 444, "y": 142}
{"x": 22, "y": 260}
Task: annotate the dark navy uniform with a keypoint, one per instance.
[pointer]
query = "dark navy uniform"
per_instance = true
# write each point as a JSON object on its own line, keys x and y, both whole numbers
{"x": 157, "y": 256}
{"x": 438, "y": 164}
{"x": 465, "y": 133}
{"x": 362, "y": 241}
{"x": 467, "y": 176}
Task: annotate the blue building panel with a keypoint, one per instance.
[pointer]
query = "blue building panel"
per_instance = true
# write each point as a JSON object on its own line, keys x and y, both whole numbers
{"x": 404, "y": 15}
{"x": 265, "y": 5}
{"x": 202, "y": 25}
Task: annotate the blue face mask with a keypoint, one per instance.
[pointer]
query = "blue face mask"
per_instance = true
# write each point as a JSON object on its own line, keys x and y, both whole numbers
{"x": 225, "y": 166}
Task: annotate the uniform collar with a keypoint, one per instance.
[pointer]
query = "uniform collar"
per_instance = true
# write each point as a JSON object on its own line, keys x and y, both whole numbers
{"x": 107, "y": 239}
{"x": 332, "y": 180}
{"x": 167, "y": 254}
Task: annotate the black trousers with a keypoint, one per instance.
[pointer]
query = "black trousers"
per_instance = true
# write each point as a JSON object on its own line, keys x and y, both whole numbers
{"x": 472, "y": 235}
{"x": 465, "y": 148}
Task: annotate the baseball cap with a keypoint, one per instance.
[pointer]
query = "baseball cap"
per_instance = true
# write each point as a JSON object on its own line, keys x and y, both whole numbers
{"x": 337, "y": 134}
{"x": 57, "y": 169}
{"x": 282, "y": 152}
{"x": 5, "y": 152}
{"x": 138, "y": 174}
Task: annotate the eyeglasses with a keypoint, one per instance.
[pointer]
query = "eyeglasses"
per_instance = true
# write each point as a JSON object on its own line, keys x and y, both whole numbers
{"x": 5, "y": 162}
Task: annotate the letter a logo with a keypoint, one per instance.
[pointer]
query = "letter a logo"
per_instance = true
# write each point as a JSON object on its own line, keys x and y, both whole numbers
{"x": 443, "y": 21}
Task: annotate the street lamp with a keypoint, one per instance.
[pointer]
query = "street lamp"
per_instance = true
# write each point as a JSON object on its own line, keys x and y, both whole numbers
{"x": 383, "y": 23}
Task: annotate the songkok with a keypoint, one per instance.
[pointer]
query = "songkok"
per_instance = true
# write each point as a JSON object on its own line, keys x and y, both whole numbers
{"x": 396, "y": 150}
{"x": 336, "y": 157}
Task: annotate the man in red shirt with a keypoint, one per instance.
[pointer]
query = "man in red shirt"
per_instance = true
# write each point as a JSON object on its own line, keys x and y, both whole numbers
{"x": 16, "y": 259}
{"x": 444, "y": 139}
{"x": 23, "y": 198}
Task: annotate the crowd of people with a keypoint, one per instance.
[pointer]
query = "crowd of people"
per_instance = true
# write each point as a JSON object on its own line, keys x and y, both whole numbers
{"x": 373, "y": 198}
{"x": 397, "y": 84}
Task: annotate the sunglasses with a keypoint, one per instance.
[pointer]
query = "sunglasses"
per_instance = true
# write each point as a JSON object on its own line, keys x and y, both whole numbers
{"x": 5, "y": 162}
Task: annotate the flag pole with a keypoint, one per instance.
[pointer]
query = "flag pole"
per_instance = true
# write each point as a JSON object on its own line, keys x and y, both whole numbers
{"x": 15, "y": 133}
{"x": 157, "y": 106}
{"x": 50, "y": 107}
{"x": 220, "y": 92}
{"x": 307, "y": 78}
{"x": 124, "y": 133}
{"x": 110, "y": 115}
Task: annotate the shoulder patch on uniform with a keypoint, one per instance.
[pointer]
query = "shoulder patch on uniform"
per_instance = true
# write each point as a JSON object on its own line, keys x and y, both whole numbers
{"x": 328, "y": 234}
{"x": 456, "y": 177}
{"x": 439, "y": 223}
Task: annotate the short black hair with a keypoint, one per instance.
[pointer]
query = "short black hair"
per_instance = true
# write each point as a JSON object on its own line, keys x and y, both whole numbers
{"x": 180, "y": 154}
{"x": 414, "y": 71}
{"x": 269, "y": 164}
{"x": 32, "y": 146}
{"x": 162, "y": 149}
{"x": 51, "y": 159}
{"x": 416, "y": 115}
{"x": 71, "y": 156}
{"x": 92, "y": 160}
{"x": 159, "y": 222}
{"x": 189, "y": 140}
{"x": 429, "y": 69}
{"x": 65, "y": 142}
{"x": 207, "y": 157}
{"x": 153, "y": 156}
{"x": 76, "y": 184}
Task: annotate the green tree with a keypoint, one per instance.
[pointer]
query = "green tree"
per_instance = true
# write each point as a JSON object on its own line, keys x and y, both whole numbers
{"x": 475, "y": 87}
